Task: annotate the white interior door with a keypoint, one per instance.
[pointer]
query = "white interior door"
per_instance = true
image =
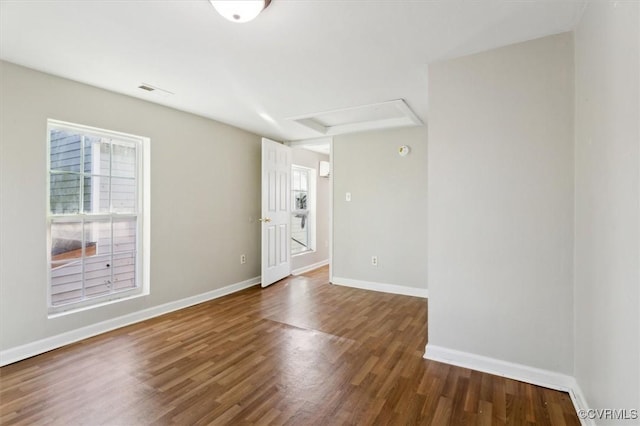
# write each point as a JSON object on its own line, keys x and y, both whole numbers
{"x": 276, "y": 208}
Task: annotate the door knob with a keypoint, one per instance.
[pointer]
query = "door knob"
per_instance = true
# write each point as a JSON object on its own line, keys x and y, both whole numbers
{"x": 266, "y": 219}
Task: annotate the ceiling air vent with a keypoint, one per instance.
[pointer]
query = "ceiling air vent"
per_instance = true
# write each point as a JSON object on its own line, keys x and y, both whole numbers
{"x": 155, "y": 90}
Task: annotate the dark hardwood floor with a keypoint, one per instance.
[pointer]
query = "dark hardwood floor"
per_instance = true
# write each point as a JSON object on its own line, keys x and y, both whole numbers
{"x": 301, "y": 352}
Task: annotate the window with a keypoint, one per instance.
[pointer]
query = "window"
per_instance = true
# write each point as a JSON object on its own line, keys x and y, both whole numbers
{"x": 302, "y": 209}
{"x": 97, "y": 214}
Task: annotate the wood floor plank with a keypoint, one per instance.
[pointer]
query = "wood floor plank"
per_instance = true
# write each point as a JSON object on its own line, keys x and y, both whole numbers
{"x": 300, "y": 352}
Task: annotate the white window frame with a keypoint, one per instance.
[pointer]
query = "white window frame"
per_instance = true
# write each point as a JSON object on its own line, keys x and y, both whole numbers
{"x": 142, "y": 220}
{"x": 311, "y": 207}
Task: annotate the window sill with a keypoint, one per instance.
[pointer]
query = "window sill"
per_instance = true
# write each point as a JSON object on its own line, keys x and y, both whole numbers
{"x": 54, "y": 313}
{"x": 302, "y": 253}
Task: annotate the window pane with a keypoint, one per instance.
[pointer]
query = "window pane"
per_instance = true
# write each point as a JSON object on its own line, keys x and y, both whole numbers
{"x": 124, "y": 235}
{"x": 123, "y": 157}
{"x": 66, "y": 242}
{"x": 123, "y": 195}
{"x": 300, "y": 200}
{"x": 96, "y": 194}
{"x": 97, "y": 237}
{"x": 64, "y": 151}
{"x": 301, "y": 238}
{"x": 64, "y": 195}
{"x": 299, "y": 233}
{"x": 97, "y": 275}
{"x": 66, "y": 282}
{"x": 124, "y": 272}
{"x": 295, "y": 185}
{"x": 96, "y": 155}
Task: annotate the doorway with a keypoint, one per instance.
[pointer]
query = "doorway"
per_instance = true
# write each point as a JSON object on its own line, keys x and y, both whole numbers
{"x": 311, "y": 214}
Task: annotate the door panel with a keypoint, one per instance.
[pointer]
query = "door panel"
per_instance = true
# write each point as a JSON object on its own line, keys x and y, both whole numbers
{"x": 276, "y": 189}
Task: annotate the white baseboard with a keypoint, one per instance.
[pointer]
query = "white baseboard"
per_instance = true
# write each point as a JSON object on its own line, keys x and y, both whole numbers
{"x": 385, "y": 288}
{"x": 19, "y": 353}
{"x": 520, "y": 372}
{"x": 580, "y": 404}
{"x": 311, "y": 267}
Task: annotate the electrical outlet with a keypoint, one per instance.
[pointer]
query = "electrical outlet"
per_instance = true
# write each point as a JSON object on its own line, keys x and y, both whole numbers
{"x": 243, "y": 259}
{"x": 374, "y": 260}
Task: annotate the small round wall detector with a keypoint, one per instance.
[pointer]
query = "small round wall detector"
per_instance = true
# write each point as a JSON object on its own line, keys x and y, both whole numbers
{"x": 404, "y": 150}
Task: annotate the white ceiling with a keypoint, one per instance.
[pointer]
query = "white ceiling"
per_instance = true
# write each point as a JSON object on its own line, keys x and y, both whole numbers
{"x": 298, "y": 57}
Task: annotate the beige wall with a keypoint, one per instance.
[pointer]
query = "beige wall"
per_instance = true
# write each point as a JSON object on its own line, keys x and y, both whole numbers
{"x": 387, "y": 214}
{"x": 205, "y": 198}
{"x": 306, "y": 158}
{"x": 607, "y": 281}
{"x": 501, "y": 204}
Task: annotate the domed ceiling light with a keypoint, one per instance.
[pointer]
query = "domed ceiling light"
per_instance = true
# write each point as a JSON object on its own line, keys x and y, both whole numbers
{"x": 240, "y": 10}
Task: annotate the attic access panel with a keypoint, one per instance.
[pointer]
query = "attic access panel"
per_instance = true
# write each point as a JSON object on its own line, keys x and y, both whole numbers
{"x": 382, "y": 115}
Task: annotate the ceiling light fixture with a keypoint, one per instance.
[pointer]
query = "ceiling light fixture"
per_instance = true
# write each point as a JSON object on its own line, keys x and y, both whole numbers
{"x": 240, "y": 10}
